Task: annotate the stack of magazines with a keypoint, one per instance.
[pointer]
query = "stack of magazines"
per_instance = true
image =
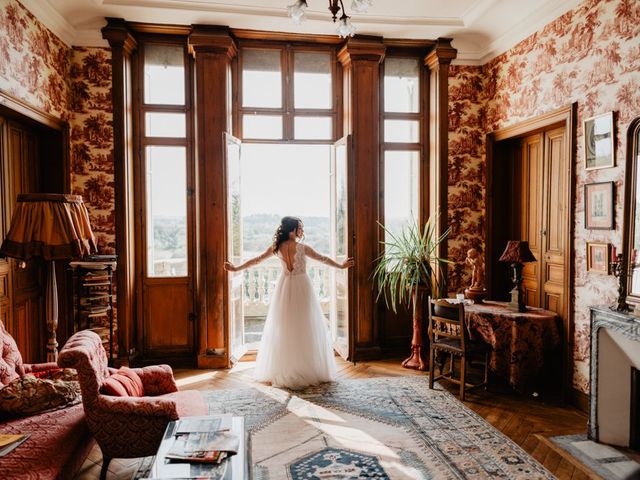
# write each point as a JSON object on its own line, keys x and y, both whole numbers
{"x": 201, "y": 440}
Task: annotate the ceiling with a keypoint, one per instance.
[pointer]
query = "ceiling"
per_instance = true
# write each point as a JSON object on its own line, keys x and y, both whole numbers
{"x": 481, "y": 29}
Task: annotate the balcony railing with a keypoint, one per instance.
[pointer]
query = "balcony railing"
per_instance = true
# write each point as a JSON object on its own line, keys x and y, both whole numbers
{"x": 259, "y": 284}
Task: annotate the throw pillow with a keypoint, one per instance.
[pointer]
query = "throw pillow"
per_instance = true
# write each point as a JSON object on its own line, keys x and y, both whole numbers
{"x": 28, "y": 395}
{"x": 123, "y": 383}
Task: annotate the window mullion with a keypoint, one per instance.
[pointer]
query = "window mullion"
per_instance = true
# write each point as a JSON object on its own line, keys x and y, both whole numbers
{"x": 287, "y": 94}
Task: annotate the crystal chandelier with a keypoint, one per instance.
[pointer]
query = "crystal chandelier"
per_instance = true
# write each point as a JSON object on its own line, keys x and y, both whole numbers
{"x": 345, "y": 27}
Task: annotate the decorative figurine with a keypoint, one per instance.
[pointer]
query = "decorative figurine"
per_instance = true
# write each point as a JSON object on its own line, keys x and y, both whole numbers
{"x": 476, "y": 291}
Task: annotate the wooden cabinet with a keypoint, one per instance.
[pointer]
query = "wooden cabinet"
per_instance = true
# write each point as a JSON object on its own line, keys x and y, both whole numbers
{"x": 93, "y": 298}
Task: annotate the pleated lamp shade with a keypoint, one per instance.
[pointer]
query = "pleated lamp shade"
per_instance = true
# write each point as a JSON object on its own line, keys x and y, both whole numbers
{"x": 54, "y": 227}
{"x": 51, "y": 226}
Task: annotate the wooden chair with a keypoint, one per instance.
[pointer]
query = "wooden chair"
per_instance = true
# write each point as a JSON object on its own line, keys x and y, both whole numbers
{"x": 448, "y": 333}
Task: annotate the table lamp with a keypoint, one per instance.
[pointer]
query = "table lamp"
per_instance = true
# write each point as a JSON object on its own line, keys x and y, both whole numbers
{"x": 517, "y": 252}
{"x": 53, "y": 227}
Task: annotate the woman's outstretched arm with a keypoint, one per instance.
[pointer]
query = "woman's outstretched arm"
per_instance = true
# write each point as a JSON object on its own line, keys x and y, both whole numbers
{"x": 310, "y": 252}
{"x": 249, "y": 263}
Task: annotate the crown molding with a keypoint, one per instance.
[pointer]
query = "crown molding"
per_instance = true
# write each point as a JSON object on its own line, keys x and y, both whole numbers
{"x": 49, "y": 16}
{"x": 525, "y": 28}
{"x": 89, "y": 38}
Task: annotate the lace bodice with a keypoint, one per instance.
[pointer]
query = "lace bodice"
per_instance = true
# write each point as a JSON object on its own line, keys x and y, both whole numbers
{"x": 299, "y": 262}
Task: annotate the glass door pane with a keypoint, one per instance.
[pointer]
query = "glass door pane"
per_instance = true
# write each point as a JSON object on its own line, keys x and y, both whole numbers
{"x": 340, "y": 247}
{"x": 234, "y": 249}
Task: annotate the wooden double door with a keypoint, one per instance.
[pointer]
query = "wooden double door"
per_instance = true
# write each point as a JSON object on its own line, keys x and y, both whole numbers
{"x": 529, "y": 199}
{"x": 543, "y": 218}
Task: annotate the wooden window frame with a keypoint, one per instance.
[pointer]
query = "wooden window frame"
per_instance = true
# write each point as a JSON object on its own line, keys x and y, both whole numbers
{"x": 287, "y": 111}
{"x": 419, "y": 146}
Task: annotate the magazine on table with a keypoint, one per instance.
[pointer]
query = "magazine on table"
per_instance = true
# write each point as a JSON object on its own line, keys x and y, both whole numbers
{"x": 205, "y": 447}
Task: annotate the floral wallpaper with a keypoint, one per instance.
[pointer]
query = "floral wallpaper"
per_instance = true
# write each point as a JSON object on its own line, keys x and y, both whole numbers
{"x": 466, "y": 170}
{"x": 590, "y": 55}
{"x": 73, "y": 84}
{"x": 34, "y": 63}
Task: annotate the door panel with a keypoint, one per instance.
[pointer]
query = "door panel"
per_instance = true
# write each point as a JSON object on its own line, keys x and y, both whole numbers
{"x": 554, "y": 230}
{"x": 531, "y": 212}
{"x": 167, "y": 285}
{"x": 341, "y": 247}
{"x": 234, "y": 248}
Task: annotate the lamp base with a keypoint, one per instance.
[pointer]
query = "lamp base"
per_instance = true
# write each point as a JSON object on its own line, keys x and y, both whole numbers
{"x": 516, "y": 304}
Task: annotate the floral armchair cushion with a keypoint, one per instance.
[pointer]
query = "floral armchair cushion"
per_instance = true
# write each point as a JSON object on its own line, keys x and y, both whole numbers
{"x": 29, "y": 394}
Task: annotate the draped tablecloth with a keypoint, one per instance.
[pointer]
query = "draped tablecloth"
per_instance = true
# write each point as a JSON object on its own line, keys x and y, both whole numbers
{"x": 519, "y": 340}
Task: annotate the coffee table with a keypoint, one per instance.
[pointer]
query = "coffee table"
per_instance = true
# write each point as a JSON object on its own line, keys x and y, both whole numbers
{"x": 236, "y": 467}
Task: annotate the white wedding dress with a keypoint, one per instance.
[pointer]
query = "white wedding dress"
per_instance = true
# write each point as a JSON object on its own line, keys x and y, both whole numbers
{"x": 295, "y": 350}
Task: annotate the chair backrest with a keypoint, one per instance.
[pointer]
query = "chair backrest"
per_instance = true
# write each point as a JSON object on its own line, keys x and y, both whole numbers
{"x": 11, "y": 365}
{"x": 84, "y": 352}
{"x": 447, "y": 320}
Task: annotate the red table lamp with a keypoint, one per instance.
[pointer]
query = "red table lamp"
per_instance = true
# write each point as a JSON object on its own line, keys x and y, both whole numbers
{"x": 517, "y": 252}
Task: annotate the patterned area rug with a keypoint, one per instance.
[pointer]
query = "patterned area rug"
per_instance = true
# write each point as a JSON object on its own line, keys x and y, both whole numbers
{"x": 606, "y": 461}
{"x": 384, "y": 428}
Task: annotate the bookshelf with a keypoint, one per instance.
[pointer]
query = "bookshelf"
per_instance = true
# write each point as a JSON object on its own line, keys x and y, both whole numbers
{"x": 93, "y": 298}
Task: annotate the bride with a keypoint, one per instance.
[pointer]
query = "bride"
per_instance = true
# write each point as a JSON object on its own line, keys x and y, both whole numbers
{"x": 295, "y": 350}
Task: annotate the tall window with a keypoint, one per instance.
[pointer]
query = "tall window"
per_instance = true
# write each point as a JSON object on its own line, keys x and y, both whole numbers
{"x": 288, "y": 94}
{"x": 402, "y": 147}
{"x": 164, "y": 140}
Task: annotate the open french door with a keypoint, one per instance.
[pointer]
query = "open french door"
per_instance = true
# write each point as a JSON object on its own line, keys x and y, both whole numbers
{"x": 341, "y": 247}
{"x": 234, "y": 249}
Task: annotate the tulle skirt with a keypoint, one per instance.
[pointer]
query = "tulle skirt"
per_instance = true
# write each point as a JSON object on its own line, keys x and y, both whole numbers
{"x": 296, "y": 349}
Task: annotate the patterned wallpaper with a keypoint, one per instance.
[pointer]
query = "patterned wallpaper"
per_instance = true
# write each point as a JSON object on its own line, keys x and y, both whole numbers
{"x": 34, "y": 63}
{"x": 73, "y": 84}
{"x": 590, "y": 55}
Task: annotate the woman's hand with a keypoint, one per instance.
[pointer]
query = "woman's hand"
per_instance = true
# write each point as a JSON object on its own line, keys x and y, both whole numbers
{"x": 230, "y": 267}
{"x": 349, "y": 262}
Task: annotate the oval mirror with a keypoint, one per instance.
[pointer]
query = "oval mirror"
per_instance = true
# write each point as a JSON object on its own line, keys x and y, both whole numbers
{"x": 631, "y": 232}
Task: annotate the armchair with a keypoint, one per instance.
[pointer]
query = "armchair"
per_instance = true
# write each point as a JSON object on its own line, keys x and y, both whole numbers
{"x": 11, "y": 365}
{"x": 126, "y": 427}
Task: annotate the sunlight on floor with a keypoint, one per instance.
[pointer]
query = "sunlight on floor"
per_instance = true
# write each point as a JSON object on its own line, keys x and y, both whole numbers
{"x": 195, "y": 378}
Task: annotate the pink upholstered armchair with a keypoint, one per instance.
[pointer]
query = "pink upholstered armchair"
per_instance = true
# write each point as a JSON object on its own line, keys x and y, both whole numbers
{"x": 126, "y": 427}
{"x": 11, "y": 366}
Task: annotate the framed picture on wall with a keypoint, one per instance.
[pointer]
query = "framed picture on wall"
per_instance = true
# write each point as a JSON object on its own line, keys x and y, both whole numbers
{"x": 598, "y": 206}
{"x": 598, "y": 257}
{"x": 598, "y": 142}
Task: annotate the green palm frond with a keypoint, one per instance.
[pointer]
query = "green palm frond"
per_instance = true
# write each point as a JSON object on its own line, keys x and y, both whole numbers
{"x": 409, "y": 260}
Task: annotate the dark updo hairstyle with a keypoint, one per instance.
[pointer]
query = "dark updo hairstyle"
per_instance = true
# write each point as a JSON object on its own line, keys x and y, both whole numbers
{"x": 287, "y": 225}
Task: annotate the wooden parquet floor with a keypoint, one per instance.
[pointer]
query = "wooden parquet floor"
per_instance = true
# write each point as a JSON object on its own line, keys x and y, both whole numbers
{"x": 527, "y": 421}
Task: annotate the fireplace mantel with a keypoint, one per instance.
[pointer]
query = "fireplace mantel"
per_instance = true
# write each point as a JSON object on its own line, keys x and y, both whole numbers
{"x": 618, "y": 325}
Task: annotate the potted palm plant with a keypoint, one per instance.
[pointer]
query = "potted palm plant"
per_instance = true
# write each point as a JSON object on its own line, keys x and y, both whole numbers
{"x": 407, "y": 271}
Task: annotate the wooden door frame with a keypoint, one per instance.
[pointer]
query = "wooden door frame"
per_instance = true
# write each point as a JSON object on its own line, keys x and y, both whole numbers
{"x": 561, "y": 117}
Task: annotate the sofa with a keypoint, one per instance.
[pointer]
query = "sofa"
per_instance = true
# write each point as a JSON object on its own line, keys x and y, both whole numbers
{"x": 59, "y": 440}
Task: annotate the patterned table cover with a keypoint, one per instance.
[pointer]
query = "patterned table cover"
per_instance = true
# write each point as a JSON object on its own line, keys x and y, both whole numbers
{"x": 518, "y": 339}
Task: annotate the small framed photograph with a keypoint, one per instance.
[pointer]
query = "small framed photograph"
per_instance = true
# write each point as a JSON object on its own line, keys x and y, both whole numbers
{"x": 598, "y": 145}
{"x": 598, "y": 257}
{"x": 598, "y": 206}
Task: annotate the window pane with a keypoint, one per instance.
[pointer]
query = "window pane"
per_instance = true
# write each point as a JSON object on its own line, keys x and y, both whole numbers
{"x": 401, "y": 173}
{"x": 165, "y": 125}
{"x": 164, "y": 74}
{"x": 401, "y": 85}
{"x": 262, "y": 126}
{"x": 166, "y": 195}
{"x": 313, "y": 128}
{"x": 406, "y": 131}
{"x": 312, "y": 80}
{"x": 261, "y": 78}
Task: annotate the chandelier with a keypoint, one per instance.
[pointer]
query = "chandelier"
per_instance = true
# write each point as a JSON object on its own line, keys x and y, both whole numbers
{"x": 345, "y": 27}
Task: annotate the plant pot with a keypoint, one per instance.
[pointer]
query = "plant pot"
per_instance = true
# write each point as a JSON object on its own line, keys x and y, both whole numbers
{"x": 417, "y": 360}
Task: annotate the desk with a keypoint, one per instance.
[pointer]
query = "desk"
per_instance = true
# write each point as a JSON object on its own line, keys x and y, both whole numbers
{"x": 518, "y": 339}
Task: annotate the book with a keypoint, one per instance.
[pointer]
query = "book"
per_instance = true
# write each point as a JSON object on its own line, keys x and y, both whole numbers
{"x": 197, "y": 424}
{"x": 9, "y": 442}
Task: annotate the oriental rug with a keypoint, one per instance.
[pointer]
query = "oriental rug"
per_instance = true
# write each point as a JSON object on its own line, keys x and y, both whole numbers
{"x": 384, "y": 428}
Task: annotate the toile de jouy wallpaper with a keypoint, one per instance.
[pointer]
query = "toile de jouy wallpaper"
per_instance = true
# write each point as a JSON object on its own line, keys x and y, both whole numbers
{"x": 73, "y": 84}
{"x": 590, "y": 55}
